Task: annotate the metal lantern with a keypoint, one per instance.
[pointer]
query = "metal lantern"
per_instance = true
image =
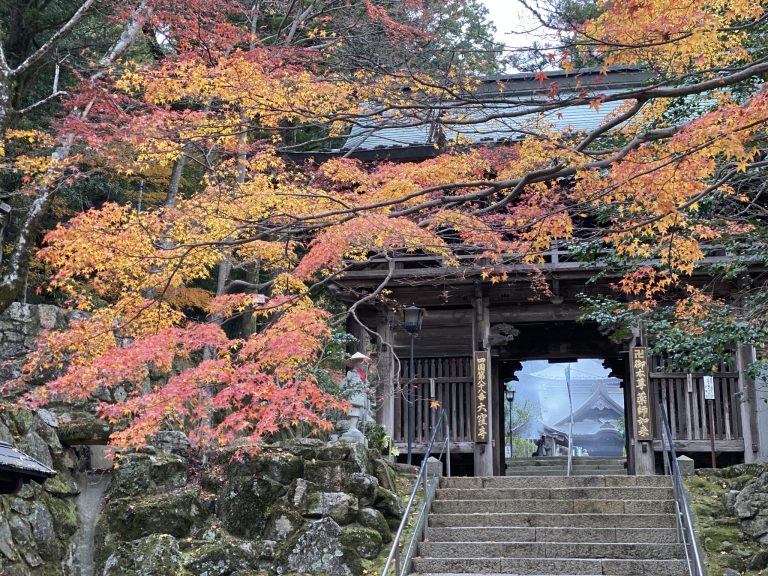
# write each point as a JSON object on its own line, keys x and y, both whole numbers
{"x": 412, "y": 316}
{"x": 509, "y": 393}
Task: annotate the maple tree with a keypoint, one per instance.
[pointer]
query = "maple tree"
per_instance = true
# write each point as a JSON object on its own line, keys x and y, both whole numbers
{"x": 212, "y": 272}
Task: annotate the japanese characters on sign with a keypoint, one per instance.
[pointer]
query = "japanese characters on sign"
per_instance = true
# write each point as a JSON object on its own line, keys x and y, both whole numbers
{"x": 643, "y": 428}
{"x": 481, "y": 396}
{"x": 709, "y": 388}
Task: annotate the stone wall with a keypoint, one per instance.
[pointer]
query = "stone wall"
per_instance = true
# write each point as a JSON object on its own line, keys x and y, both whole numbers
{"x": 299, "y": 507}
{"x": 38, "y": 525}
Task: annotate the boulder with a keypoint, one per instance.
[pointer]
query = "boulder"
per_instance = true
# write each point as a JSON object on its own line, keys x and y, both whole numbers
{"x": 385, "y": 474}
{"x": 318, "y": 550}
{"x": 222, "y": 557}
{"x": 272, "y": 463}
{"x": 173, "y": 513}
{"x": 282, "y": 523}
{"x": 752, "y": 508}
{"x": 340, "y": 506}
{"x": 365, "y": 541}
{"x": 331, "y": 475}
{"x": 153, "y": 555}
{"x": 372, "y": 518}
{"x": 141, "y": 474}
{"x": 172, "y": 441}
{"x": 245, "y": 503}
{"x": 390, "y": 505}
{"x": 364, "y": 487}
{"x": 81, "y": 427}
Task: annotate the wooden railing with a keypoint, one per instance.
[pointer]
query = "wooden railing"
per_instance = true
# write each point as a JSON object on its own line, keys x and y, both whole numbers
{"x": 689, "y": 412}
{"x": 438, "y": 383}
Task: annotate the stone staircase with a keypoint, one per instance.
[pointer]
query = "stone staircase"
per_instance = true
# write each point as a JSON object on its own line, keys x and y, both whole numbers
{"x": 582, "y": 525}
{"x": 556, "y": 465}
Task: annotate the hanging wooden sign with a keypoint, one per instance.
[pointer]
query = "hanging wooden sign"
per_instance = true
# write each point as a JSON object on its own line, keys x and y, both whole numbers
{"x": 643, "y": 424}
{"x": 480, "y": 368}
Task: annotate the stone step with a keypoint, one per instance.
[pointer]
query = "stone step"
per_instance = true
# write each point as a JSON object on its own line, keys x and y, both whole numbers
{"x": 575, "y": 460}
{"x": 633, "y": 551}
{"x": 554, "y": 506}
{"x": 552, "y": 520}
{"x": 548, "y": 534}
{"x": 569, "y": 493}
{"x": 553, "y": 471}
{"x": 542, "y": 566}
{"x": 554, "y": 482}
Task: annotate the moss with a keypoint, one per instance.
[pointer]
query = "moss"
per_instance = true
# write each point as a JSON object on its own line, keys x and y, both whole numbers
{"x": 365, "y": 541}
{"x": 174, "y": 514}
{"x": 82, "y": 427}
{"x": 63, "y": 513}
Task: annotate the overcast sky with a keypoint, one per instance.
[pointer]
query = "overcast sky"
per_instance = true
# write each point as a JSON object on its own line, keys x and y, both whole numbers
{"x": 512, "y": 21}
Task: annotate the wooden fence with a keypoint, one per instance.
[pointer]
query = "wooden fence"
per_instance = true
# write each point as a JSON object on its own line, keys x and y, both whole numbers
{"x": 689, "y": 412}
{"x": 447, "y": 381}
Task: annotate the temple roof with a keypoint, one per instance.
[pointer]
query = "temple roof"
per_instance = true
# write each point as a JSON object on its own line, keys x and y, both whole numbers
{"x": 14, "y": 460}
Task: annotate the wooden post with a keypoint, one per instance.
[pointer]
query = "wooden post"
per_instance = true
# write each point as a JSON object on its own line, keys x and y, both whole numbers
{"x": 385, "y": 366}
{"x": 481, "y": 332}
{"x": 748, "y": 406}
{"x": 642, "y": 409}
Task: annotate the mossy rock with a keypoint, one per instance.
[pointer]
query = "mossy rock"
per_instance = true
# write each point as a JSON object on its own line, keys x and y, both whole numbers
{"x": 173, "y": 513}
{"x": 389, "y": 504}
{"x": 140, "y": 473}
{"x": 282, "y": 524}
{"x": 63, "y": 513}
{"x": 365, "y": 541}
{"x": 331, "y": 476}
{"x": 373, "y": 519}
{"x": 81, "y": 427}
{"x": 222, "y": 557}
{"x": 273, "y": 463}
{"x": 154, "y": 555}
{"x": 245, "y": 504}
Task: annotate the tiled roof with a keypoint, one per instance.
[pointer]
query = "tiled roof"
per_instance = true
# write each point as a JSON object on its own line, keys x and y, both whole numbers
{"x": 14, "y": 460}
{"x": 469, "y": 125}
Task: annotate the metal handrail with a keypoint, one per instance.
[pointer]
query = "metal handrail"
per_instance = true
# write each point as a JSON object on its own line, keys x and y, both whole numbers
{"x": 693, "y": 556}
{"x": 403, "y": 565}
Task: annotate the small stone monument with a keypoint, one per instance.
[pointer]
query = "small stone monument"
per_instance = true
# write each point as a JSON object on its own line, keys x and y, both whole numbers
{"x": 686, "y": 465}
{"x": 354, "y": 387}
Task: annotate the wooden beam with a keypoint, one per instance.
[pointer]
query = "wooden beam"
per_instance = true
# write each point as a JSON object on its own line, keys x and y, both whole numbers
{"x": 421, "y": 447}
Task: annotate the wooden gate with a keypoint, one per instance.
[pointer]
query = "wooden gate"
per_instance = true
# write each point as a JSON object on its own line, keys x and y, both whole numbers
{"x": 446, "y": 381}
{"x": 689, "y": 412}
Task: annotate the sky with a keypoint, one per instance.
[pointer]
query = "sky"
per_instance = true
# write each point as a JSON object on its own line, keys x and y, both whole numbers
{"x": 513, "y": 22}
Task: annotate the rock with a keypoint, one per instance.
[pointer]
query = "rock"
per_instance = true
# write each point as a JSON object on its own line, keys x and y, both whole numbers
{"x": 63, "y": 513}
{"x": 155, "y": 555}
{"x": 365, "y": 541}
{"x": 222, "y": 558}
{"x": 298, "y": 492}
{"x": 752, "y": 508}
{"x": 282, "y": 523}
{"x": 174, "y": 513}
{"x": 36, "y": 447}
{"x": 245, "y": 503}
{"x": 61, "y": 485}
{"x": 172, "y": 441}
{"x": 729, "y": 501}
{"x": 340, "y": 506}
{"x": 731, "y": 572}
{"x": 330, "y": 475}
{"x": 372, "y": 518}
{"x": 318, "y": 550}
{"x": 41, "y": 521}
{"x": 389, "y": 504}
{"x": 48, "y": 316}
{"x": 275, "y": 464}
{"x": 141, "y": 474}
{"x": 364, "y": 487}
{"x": 759, "y": 561}
{"x": 80, "y": 427}
{"x": 726, "y": 545}
{"x": 48, "y": 417}
{"x": 6, "y": 541}
{"x": 385, "y": 474}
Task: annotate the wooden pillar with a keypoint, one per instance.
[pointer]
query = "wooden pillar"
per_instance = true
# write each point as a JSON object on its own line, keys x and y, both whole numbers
{"x": 497, "y": 398}
{"x": 644, "y": 457}
{"x": 385, "y": 368}
{"x": 748, "y": 406}
{"x": 481, "y": 328}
